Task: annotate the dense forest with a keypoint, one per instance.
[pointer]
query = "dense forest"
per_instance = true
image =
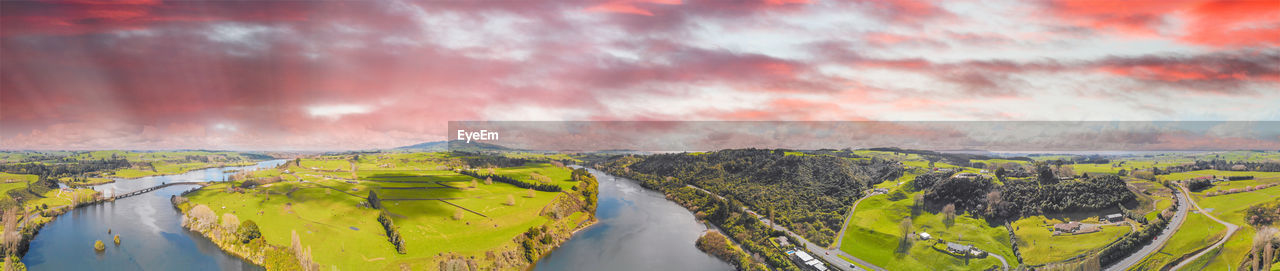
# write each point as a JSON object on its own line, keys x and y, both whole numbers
{"x": 1019, "y": 198}
{"x": 965, "y": 193}
{"x": 1026, "y": 198}
{"x": 809, "y": 194}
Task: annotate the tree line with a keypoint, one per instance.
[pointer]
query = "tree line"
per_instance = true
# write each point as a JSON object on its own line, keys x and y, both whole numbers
{"x": 512, "y": 181}
{"x": 68, "y": 169}
{"x": 589, "y": 187}
{"x": 1219, "y": 164}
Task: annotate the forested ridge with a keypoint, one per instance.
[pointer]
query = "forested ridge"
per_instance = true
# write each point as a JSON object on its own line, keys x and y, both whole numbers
{"x": 809, "y": 194}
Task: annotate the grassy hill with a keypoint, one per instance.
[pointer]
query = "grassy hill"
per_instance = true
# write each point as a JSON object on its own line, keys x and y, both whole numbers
{"x": 442, "y": 218}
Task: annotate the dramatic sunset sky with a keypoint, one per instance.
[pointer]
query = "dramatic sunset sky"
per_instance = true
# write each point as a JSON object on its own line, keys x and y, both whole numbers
{"x": 301, "y": 75}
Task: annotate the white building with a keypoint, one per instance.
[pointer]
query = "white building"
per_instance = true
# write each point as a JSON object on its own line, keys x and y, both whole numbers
{"x": 807, "y": 261}
{"x": 925, "y": 236}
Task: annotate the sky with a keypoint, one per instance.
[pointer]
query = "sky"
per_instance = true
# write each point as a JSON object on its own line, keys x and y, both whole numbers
{"x": 336, "y": 75}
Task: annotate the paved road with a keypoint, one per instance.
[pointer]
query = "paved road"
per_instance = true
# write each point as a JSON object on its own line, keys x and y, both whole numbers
{"x": 840, "y": 235}
{"x": 1158, "y": 243}
{"x": 1231, "y": 229}
{"x": 828, "y": 255}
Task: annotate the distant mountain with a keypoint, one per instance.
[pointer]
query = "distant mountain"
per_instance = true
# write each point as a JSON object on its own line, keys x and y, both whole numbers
{"x": 458, "y": 145}
{"x": 427, "y": 146}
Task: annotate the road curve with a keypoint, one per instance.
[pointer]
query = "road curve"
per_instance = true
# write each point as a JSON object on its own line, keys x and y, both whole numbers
{"x": 840, "y": 235}
{"x": 1158, "y": 243}
{"x": 1002, "y": 261}
{"x": 1231, "y": 230}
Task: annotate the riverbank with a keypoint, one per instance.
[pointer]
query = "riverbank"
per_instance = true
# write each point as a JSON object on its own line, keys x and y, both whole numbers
{"x": 438, "y": 218}
{"x": 32, "y": 221}
{"x": 56, "y": 244}
{"x": 129, "y": 173}
{"x": 225, "y": 236}
{"x": 633, "y": 227}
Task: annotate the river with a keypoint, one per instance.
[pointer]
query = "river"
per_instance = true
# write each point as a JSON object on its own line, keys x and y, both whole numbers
{"x": 150, "y": 229}
{"x": 638, "y": 229}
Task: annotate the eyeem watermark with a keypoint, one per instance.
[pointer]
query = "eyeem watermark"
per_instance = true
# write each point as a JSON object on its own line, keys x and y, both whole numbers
{"x": 482, "y": 135}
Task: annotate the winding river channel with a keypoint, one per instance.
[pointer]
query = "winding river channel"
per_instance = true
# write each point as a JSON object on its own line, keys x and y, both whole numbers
{"x": 150, "y": 229}
{"x": 639, "y": 229}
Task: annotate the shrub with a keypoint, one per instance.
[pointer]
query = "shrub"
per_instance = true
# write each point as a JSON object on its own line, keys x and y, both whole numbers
{"x": 248, "y": 231}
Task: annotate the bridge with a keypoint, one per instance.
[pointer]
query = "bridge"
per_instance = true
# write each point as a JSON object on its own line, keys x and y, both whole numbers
{"x": 153, "y": 188}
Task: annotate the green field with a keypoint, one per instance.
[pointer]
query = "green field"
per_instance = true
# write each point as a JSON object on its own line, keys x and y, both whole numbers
{"x": 873, "y": 236}
{"x": 1039, "y": 246}
{"x": 1197, "y": 232}
{"x": 1231, "y": 208}
{"x": 326, "y": 209}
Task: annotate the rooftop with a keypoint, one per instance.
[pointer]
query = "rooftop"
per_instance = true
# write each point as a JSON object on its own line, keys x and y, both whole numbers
{"x": 804, "y": 257}
{"x": 958, "y": 247}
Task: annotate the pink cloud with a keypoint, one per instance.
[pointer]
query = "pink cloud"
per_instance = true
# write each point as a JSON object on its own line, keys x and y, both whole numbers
{"x": 248, "y": 75}
{"x": 1207, "y": 22}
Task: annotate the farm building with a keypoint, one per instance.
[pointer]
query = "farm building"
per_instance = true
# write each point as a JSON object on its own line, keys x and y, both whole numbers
{"x": 925, "y": 236}
{"x": 1069, "y": 227}
{"x": 958, "y": 248}
{"x": 1115, "y": 217}
{"x": 782, "y": 241}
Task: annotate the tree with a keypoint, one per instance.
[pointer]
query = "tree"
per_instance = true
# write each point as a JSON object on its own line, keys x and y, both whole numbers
{"x": 302, "y": 254}
{"x": 374, "y": 202}
{"x": 1263, "y": 248}
{"x": 99, "y": 246}
{"x": 511, "y": 200}
{"x": 11, "y": 235}
{"x": 994, "y": 203}
{"x": 230, "y": 224}
{"x": 202, "y": 217}
{"x": 1045, "y": 175}
{"x": 474, "y": 184}
{"x": 248, "y": 231}
{"x": 230, "y": 221}
{"x": 530, "y": 194}
{"x": 1066, "y": 171}
{"x": 949, "y": 214}
{"x": 917, "y": 204}
{"x": 488, "y": 180}
{"x": 904, "y": 227}
{"x": 457, "y": 214}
